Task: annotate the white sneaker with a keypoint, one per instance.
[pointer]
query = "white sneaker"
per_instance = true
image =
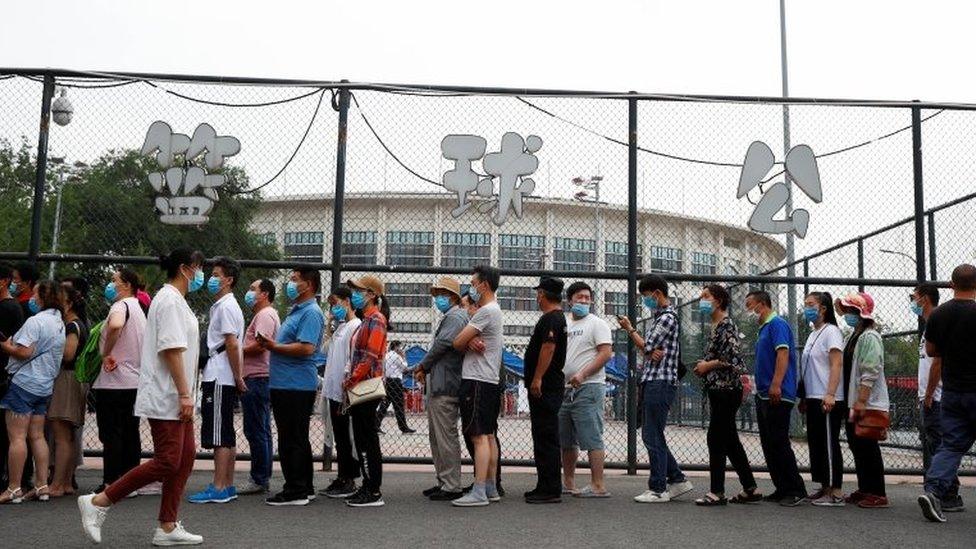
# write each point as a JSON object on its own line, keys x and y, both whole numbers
{"x": 179, "y": 536}
{"x": 92, "y": 517}
{"x": 679, "y": 489}
{"x": 653, "y": 497}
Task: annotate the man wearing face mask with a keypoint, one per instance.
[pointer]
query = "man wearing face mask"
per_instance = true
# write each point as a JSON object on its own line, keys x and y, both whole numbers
{"x": 440, "y": 372}
{"x": 21, "y": 287}
{"x": 256, "y": 400}
{"x": 293, "y": 381}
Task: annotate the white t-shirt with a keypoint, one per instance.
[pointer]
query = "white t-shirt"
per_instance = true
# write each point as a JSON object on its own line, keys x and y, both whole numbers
{"x": 170, "y": 324}
{"x": 816, "y": 361}
{"x": 226, "y": 318}
{"x": 583, "y": 336}
{"x": 485, "y": 366}
{"x": 924, "y": 367}
{"x": 338, "y": 357}
{"x": 394, "y": 366}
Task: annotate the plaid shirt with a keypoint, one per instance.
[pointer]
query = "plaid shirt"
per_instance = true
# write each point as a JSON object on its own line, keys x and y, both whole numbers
{"x": 662, "y": 334}
{"x": 368, "y": 348}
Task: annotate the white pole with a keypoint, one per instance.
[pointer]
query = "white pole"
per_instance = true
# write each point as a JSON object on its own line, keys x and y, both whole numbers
{"x": 57, "y": 225}
{"x": 790, "y": 250}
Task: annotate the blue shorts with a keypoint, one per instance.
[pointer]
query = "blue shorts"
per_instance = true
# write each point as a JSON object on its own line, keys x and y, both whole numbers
{"x": 21, "y": 402}
{"x": 581, "y": 418}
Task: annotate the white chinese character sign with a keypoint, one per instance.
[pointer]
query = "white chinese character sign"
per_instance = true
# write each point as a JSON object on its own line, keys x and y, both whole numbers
{"x": 510, "y": 166}
{"x": 801, "y": 166}
{"x": 191, "y": 184}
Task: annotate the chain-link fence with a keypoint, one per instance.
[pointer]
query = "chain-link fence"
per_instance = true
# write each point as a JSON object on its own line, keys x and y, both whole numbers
{"x": 352, "y": 178}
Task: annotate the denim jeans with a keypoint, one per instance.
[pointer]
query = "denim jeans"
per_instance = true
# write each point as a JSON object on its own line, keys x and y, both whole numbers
{"x": 930, "y": 435}
{"x": 658, "y": 396}
{"x": 256, "y": 408}
{"x": 958, "y": 436}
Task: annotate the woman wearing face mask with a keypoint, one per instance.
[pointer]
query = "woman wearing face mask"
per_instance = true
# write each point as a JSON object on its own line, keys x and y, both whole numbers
{"x": 116, "y": 385}
{"x": 35, "y": 358}
{"x": 821, "y": 367}
{"x": 167, "y": 384}
{"x": 867, "y": 389}
{"x": 721, "y": 368}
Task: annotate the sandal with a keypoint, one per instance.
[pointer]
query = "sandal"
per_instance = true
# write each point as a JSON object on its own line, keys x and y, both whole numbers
{"x": 747, "y": 496}
{"x": 11, "y": 496}
{"x": 40, "y": 493}
{"x": 711, "y": 500}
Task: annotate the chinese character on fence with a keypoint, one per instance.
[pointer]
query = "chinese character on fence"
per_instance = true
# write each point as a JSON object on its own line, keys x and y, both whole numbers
{"x": 511, "y": 166}
{"x": 192, "y": 188}
{"x": 801, "y": 167}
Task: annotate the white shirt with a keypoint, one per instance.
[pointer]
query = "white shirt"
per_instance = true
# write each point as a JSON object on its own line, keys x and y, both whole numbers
{"x": 924, "y": 367}
{"x": 170, "y": 324}
{"x": 338, "y": 357}
{"x": 815, "y": 363}
{"x": 226, "y": 318}
{"x": 394, "y": 366}
{"x": 583, "y": 336}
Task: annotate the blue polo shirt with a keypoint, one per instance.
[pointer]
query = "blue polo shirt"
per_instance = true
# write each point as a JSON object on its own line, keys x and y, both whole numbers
{"x": 305, "y": 323}
{"x": 775, "y": 334}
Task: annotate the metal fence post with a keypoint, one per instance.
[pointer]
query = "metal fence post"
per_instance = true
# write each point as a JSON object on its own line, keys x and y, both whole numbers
{"x": 860, "y": 263}
{"x": 806, "y": 274}
{"x": 41, "y": 179}
{"x": 919, "y": 194}
{"x": 338, "y": 197}
{"x": 933, "y": 269}
{"x": 632, "y": 284}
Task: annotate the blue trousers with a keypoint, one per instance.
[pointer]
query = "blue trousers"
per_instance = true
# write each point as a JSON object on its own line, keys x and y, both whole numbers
{"x": 256, "y": 408}
{"x": 658, "y": 396}
{"x": 958, "y": 436}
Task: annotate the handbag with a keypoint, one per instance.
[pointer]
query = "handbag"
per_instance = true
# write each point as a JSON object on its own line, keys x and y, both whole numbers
{"x": 873, "y": 425}
{"x": 366, "y": 391}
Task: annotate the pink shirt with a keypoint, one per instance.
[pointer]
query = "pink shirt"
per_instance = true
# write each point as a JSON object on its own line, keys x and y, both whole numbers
{"x": 127, "y": 350}
{"x": 267, "y": 323}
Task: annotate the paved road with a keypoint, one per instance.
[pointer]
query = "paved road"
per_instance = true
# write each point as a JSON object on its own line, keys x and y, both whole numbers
{"x": 410, "y": 521}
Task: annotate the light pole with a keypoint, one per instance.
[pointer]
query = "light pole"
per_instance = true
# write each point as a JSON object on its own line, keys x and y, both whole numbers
{"x": 586, "y": 185}
{"x": 62, "y": 111}
{"x": 790, "y": 246}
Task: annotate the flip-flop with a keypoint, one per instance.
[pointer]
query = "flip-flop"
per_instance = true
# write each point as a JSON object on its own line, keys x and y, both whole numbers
{"x": 588, "y": 492}
{"x": 711, "y": 500}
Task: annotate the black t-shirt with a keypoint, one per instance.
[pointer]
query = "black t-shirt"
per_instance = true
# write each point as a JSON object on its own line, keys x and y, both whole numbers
{"x": 11, "y": 319}
{"x": 951, "y": 328}
{"x": 80, "y": 329}
{"x": 551, "y": 328}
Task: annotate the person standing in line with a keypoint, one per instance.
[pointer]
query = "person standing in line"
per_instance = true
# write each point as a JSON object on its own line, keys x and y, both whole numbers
{"x": 776, "y": 386}
{"x": 223, "y": 379}
{"x": 115, "y": 388}
{"x": 11, "y": 319}
{"x": 822, "y": 399}
{"x": 440, "y": 373}
{"x": 481, "y": 341}
{"x": 949, "y": 336}
{"x": 545, "y": 358}
{"x": 166, "y": 396}
{"x": 722, "y": 368}
{"x": 588, "y": 349}
{"x": 659, "y": 384}
{"x": 924, "y": 301}
{"x": 366, "y": 362}
{"x": 25, "y": 277}
{"x": 344, "y": 485}
{"x": 293, "y": 380}
{"x": 394, "y": 366}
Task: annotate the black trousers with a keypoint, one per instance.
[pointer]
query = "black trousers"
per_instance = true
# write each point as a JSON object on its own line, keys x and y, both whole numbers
{"x": 774, "y": 436}
{"x": 868, "y": 464}
{"x": 367, "y": 444}
{"x": 823, "y": 440}
{"x": 544, "y": 416}
{"x": 723, "y": 440}
{"x": 394, "y": 395}
{"x": 292, "y": 411}
{"x": 342, "y": 429}
{"x": 118, "y": 431}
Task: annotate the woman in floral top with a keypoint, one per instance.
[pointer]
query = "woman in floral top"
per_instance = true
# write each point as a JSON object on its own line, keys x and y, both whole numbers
{"x": 721, "y": 370}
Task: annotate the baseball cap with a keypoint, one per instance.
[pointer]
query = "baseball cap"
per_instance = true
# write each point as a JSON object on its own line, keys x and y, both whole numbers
{"x": 551, "y": 285}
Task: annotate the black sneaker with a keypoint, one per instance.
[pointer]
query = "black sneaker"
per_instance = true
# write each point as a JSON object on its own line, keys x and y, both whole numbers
{"x": 365, "y": 498}
{"x": 340, "y": 489}
{"x": 931, "y": 507}
{"x": 953, "y": 504}
{"x": 408, "y": 431}
{"x": 793, "y": 501}
{"x": 431, "y": 491}
{"x": 543, "y": 498}
{"x": 281, "y": 500}
{"x": 530, "y": 493}
{"x": 441, "y": 495}
{"x": 775, "y": 497}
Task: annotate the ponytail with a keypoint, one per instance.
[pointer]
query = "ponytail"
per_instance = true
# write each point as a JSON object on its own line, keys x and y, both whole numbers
{"x": 384, "y": 306}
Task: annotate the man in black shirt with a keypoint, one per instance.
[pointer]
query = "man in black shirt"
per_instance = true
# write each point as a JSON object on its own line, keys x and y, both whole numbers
{"x": 544, "y": 361}
{"x": 11, "y": 319}
{"x": 949, "y": 336}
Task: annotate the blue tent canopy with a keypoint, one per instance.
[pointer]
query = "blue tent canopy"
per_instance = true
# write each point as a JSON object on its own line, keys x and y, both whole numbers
{"x": 617, "y": 367}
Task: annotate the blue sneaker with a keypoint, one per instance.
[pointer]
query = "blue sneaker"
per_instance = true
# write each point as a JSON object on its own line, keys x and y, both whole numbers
{"x": 230, "y": 493}
{"x": 207, "y": 495}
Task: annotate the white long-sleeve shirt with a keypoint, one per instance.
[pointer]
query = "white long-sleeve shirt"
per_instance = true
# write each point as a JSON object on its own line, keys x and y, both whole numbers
{"x": 394, "y": 366}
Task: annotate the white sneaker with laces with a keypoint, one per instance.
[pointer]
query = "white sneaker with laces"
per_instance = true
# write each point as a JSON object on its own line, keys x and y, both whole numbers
{"x": 653, "y": 497}
{"x": 178, "y": 536}
{"x": 679, "y": 489}
{"x": 92, "y": 517}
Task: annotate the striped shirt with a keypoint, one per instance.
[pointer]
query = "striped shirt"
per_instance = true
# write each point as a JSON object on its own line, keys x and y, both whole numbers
{"x": 662, "y": 334}
{"x": 368, "y": 348}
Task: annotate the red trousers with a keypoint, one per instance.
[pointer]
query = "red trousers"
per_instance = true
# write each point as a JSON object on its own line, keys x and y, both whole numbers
{"x": 174, "y": 450}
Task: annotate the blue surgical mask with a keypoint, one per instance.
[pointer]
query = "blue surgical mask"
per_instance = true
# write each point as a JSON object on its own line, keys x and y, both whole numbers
{"x": 851, "y": 320}
{"x": 442, "y": 302}
{"x": 213, "y": 285}
{"x": 358, "y": 300}
{"x": 650, "y": 303}
{"x": 250, "y": 298}
{"x": 33, "y": 306}
{"x": 197, "y": 282}
{"x": 916, "y": 309}
{"x": 811, "y": 314}
{"x": 111, "y": 292}
{"x": 706, "y": 307}
{"x": 580, "y": 310}
{"x": 13, "y": 289}
{"x": 475, "y": 295}
{"x": 339, "y": 313}
{"x": 291, "y": 290}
